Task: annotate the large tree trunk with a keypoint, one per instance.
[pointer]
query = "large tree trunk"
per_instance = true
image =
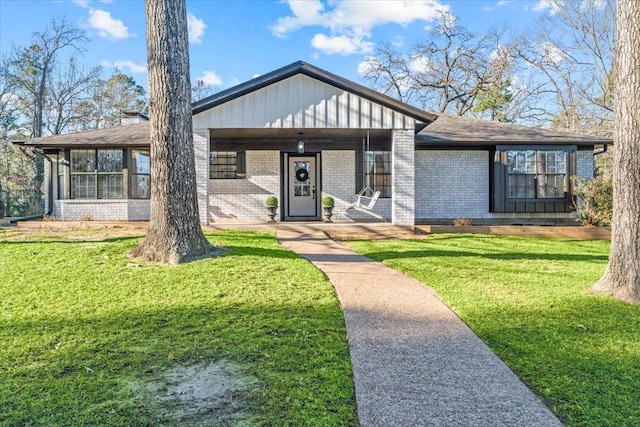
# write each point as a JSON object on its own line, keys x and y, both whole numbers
{"x": 174, "y": 234}
{"x": 622, "y": 278}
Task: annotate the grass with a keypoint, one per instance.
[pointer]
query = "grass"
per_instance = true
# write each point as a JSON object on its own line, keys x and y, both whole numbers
{"x": 88, "y": 335}
{"x": 527, "y": 299}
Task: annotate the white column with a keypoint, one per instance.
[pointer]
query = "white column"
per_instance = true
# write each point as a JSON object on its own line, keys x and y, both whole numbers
{"x": 403, "y": 177}
{"x": 201, "y": 152}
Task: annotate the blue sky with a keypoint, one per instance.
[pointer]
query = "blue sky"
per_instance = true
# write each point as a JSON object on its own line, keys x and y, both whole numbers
{"x": 233, "y": 41}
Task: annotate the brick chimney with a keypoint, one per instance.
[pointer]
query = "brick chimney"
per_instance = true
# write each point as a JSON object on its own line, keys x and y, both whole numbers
{"x": 131, "y": 117}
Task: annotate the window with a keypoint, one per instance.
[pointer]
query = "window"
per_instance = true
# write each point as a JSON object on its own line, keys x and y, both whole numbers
{"x": 226, "y": 165}
{"x": 536, "y": 174}
{"x": 140, "y": 174}
{"x": 96, "y": 174}
{"x": 377, "y": 171}
{"x": 532, "y": 179}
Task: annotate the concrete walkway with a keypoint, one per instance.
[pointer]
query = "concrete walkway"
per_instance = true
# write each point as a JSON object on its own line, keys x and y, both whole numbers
{"x": 415, "y": 363}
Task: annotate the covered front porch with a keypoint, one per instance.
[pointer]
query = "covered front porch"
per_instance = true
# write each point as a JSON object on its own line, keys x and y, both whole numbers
{"x": 299, "y": 167}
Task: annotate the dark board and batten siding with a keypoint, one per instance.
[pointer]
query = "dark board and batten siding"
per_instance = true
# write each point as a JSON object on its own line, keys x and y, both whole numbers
{"x": 500, "y": 203}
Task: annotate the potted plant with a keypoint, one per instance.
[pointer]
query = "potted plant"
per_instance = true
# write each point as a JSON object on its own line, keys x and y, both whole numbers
{"x": 271, "y": 204}
{"x": 327, "y": 207}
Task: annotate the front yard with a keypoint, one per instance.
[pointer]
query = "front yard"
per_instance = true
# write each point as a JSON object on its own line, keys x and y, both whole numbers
{"x": 90, "y": 337}
{"x": 256, "y": 336}
{"x": 526, "y": 298}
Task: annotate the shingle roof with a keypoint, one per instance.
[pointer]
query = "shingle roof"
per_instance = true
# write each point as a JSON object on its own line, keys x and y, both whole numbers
{"x": 129, "y": 135}
{"x": 455, "y": 129}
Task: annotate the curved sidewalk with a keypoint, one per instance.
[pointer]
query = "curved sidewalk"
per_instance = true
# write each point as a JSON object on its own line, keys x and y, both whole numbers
{"x": 415, "y": 363}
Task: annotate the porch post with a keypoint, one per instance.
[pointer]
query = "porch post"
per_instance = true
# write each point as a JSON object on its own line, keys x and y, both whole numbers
{"x": 201, "y": 152}
{"x": 403, "y": 177}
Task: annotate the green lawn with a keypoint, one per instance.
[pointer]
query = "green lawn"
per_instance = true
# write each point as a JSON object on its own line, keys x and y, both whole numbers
{"x": 526, "y": 298}
{"x": 90, "y": 337}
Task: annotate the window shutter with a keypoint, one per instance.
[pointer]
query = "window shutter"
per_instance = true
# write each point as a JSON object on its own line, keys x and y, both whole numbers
{"x": 241, "y": 164}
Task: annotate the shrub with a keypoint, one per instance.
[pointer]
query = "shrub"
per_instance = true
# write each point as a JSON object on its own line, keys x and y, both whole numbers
{"x": 271, "y": 202}
{"x": 594, "y": 202}
{"x": 328, "y": 202}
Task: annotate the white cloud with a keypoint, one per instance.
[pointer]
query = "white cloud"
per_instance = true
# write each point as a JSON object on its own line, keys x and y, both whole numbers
{"x": 196, "y": 28}
{"x": 420, "y": 65}
{"x": 553, "y": 6}
{"x": 82, "y": 3}
{"x": 343, "y": 45}
{"x": 350, "y": 22}
{"x": 256, "y": 75}
{"x": 126, "y": 65}
{"x": 107, "y": 26}
{"x": 210, "y": 78}
{"x": 550, "y": 53}
{"x": 369, "y": 64}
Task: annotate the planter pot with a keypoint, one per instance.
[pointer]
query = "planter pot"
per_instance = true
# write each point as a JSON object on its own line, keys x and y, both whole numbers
{"x": 271, "y": 213}
{"x": 327, "y": 213}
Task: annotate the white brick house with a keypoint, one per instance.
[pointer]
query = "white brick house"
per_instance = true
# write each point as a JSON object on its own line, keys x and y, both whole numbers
{"x": 301, "y": 133}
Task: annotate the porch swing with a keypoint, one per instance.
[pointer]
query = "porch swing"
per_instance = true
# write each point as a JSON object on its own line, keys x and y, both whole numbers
{"x": 365, "y": 198}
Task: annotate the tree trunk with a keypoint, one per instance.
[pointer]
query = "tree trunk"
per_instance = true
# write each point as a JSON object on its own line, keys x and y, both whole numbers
{"x": 622, "y": 278}
{"x": 174, "y": 234}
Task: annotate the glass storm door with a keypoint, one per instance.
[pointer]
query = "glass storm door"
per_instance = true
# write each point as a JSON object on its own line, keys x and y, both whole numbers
{"x": 302, "y": 186}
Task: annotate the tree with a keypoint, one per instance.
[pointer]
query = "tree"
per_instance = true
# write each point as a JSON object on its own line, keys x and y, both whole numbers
{"x": 16, "y": 169}
{"x": 29, "y": 71}
{"x": 570, "y": 59}
{"x": 174, "y": 234}
{"x": 495, "y": 102}
{"x": 451, "y": 72}
{"x": 622, "y": 277}
{"x": 66, "y": 90}
{"x": 107, "y": 99}
{"x": 33, "y": 66}
{"x": 201, "y": 90}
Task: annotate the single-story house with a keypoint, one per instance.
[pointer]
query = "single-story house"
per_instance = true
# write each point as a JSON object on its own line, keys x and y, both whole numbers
{"x": 301, "y": 133}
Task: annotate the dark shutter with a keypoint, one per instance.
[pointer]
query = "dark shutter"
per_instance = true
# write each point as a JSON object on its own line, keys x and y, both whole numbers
{"x": 499, "y": 181}
{"x": 241, "y": 164}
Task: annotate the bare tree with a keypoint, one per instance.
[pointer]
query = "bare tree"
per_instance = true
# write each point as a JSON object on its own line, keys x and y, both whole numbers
{"x": 32, "y": 67}
{"x": 452, "y": 72}
{"x": 67, "y": 88}
{"x": 571, "y": 60}
{"x": 174, "y": 234}
{"x": 622, "y": 277}
{"x": 201, "y": 90}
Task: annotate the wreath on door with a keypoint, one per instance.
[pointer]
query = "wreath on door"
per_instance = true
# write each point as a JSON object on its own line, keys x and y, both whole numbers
{"x": 302, "y": 175}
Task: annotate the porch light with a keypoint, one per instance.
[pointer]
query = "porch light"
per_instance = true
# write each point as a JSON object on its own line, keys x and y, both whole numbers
{"x": 300, "y": 144}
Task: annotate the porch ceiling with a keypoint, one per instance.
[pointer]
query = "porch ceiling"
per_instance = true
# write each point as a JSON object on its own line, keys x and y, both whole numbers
{"x": 294, "y": 133}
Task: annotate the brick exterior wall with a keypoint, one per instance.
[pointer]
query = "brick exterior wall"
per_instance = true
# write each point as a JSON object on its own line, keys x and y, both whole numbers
{"x": 585, "y": 167}
{"x": 102, "y": 210}
{"x": 244, "y": 198}
{"x": 201, "y": 155}
{"x": 402, "y": 179}
{"x": 452, "y": 184}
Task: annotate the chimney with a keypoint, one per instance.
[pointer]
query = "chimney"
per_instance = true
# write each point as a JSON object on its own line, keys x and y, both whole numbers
{"x": 130, "y": 117}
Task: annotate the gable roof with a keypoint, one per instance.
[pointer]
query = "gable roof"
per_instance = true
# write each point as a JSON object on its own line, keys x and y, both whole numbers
{"x": 453, "y": 130}
{"x": 309, "y": 70}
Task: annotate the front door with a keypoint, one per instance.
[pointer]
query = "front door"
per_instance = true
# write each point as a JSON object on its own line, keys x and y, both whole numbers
{"x": 302, "y": 187}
